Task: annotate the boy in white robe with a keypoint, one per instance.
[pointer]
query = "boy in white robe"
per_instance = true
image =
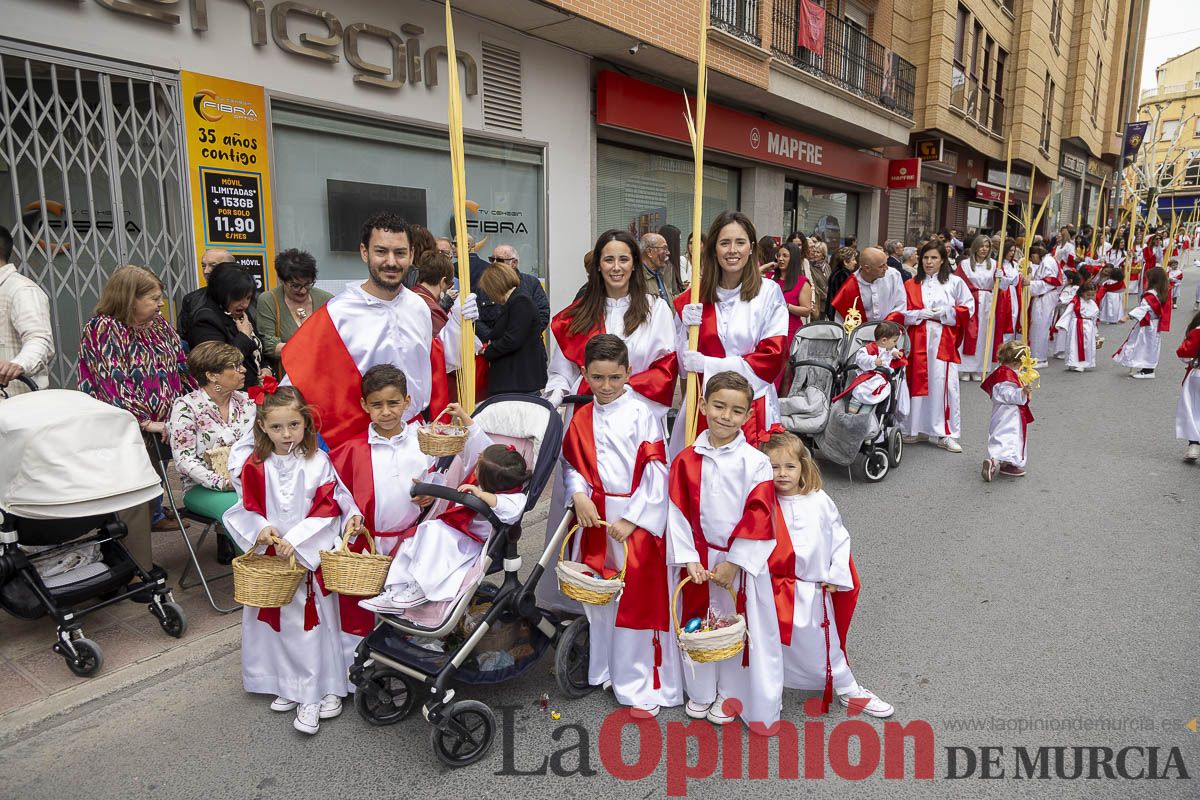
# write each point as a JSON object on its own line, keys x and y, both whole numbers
{"x": 615, "y": 470}
{"x": 1077, "y": 329}
{"x": 1010, "y": 415}
{"x": 721, "y": 530}
{"x": 826, "y": 585}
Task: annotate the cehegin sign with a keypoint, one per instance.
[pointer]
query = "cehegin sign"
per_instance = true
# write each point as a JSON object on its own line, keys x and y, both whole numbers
{"x": 408, "y": 63}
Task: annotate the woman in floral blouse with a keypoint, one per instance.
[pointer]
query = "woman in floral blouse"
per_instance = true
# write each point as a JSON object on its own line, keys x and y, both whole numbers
{"x": 214, "y": 416}
{"x": 130, "y": 356}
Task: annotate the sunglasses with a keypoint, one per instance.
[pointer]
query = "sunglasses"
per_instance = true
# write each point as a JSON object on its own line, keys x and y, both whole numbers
{"x": 498, "y": 260}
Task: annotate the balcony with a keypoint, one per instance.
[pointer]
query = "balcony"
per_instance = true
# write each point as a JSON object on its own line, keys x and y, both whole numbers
{"x": 738, "y": 18}
{"x": 982, "y": 106}
{"x": 852, "y": 60}
{"x": 1188, "y": 87}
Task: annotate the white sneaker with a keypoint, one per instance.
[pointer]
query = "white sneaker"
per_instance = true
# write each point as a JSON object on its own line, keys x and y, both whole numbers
{"x": 696, "y": 710}
{"x": 280, "y": 704}
{"x": 1193, "y": 453}
{"x": 716, "y": 712}
{"x": 645, "y": 711}
{"x": 1074, "y": 369}
{"x": 1143, "y": 376}
{"x": 965, "y": 377}
{"x": 308, "y": 718}
{"x": 949, "y": 444}
{"x": 330, "y": 707}
{"x": 873, "y": 707}
{"x": 606, "y": 686}
{"x": 405, "y": 595}
{"x": 1041, "y": 363}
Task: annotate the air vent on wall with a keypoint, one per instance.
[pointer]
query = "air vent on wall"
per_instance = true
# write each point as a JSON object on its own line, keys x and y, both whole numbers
{"x": 501, "y": 88}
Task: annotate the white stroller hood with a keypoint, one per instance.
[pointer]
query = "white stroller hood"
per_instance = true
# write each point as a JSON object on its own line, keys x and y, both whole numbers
{"x": 65, "y": 454}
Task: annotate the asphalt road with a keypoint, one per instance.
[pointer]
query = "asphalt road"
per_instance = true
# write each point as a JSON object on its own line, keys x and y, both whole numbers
{"x": 1057, "y": 610}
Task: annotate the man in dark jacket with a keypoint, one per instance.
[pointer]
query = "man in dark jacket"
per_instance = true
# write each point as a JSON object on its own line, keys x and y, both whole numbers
{"x": 530, "y": 285}
{"x": 895, "y": 249}
{"x": 193, "y": 300}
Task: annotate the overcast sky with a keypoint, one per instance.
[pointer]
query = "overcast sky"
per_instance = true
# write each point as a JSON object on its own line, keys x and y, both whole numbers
{"x": 1174, "y": 28}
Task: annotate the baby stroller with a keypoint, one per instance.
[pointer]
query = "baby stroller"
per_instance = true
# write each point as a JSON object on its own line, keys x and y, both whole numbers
{"x": 487, "y": 634}
{"x": 68, "y": 464}
{"x": 871, "y": 439}
{"x": 815, "y": 357}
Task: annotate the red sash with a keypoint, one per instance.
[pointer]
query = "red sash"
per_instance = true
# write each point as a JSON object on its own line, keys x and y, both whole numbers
{"x": 848, "y": 297}
{"x": 918, "y": 376}
{"x": 970, "y": 335}
{"x": 1077, "y": 306}
{"x": 643, "y": 604}
{"x": 863, "y": 377}
{"x": 1190, "y": 350}
{"x": 1004, "y": 319}
{"x": 1161, "y": 310}
{"x": 1118, "y": 286}
{"x": 320, "y": 366}
{"x": 1003, "y": 374}
{"x": 254, "y": 494}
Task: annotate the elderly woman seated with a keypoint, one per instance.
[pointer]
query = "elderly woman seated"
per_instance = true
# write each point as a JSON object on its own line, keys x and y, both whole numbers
{"x": 206, "y": 422}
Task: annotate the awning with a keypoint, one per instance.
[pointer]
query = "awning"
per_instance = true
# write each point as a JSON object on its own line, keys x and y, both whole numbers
{"x": 995, "y": 194}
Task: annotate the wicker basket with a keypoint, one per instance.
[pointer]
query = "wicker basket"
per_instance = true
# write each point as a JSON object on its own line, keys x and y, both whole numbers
{"x": 575, "y": 582}
{"x": 262, "y": 581}
{"x": 355, "y": 574}
{"x": 439, "y": 439}
{"x": 217, "y": 459}
{"x": 708, "y": 646}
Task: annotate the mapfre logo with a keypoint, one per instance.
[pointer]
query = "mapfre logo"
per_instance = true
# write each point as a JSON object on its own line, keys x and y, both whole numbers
{"x": 214, "y": 109}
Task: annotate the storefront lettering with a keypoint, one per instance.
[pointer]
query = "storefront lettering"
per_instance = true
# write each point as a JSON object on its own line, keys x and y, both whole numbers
{"x": 793, "y": 148}
{"x": 405, "y": 66}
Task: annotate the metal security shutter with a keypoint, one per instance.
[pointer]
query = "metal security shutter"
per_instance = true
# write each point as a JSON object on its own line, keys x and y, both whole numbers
{"x": 1070, "y": 203}
{"x": 897, "y": 219}
{"x": 502, "y": 107}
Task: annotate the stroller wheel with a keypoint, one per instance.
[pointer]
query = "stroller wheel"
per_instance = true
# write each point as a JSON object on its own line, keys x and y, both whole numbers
{"x": 465, "y": 733}
{"x": 384, "y": 697}
{"x": 88, "y": 658}
{"x": 571, "y": 659}
{"x": 871, "y": 466}
{"x": 173, "y": 620}
{"x": 895, "y": 447}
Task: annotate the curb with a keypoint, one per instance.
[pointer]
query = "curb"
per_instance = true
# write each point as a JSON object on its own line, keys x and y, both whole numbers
{"x": 206, "y": 648}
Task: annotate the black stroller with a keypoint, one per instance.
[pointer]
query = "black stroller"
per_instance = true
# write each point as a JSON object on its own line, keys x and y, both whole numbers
{"x": 488, "y": 633}
{"x": 68, "y": 464}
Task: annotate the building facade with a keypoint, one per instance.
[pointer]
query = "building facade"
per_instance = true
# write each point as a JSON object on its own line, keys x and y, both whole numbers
{"x": 1168, "y": 165}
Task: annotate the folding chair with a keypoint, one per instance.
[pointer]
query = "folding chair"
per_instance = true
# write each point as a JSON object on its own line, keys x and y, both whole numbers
{"x": 161, "y": 461}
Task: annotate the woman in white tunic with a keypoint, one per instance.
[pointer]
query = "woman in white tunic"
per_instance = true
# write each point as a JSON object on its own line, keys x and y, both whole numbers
{"x": 1008, "y": 308}
{"x": 978, "y": 272}
{"x": 1187, "y": 412}
{"x": 939, "y": 305}
{"x": 1045, "y": 286}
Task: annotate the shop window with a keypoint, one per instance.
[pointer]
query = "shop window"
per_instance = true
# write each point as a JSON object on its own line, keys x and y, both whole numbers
{"x": 831, "y": 213}
{"x": 924, "y": 213}
{"x": 331, "y": 169}
{"x": 640, "y": 191}
{"x": 978, "y": 218}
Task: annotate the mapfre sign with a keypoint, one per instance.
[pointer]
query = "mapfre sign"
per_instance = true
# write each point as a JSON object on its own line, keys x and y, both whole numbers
{"x": 408, "y": 64}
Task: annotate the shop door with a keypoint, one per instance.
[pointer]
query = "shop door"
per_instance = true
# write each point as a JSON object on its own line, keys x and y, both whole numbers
{"x": 91, "y": 178}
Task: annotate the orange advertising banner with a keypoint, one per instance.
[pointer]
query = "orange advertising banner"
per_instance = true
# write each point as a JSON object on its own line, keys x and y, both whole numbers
{"x": 229, "y": 171}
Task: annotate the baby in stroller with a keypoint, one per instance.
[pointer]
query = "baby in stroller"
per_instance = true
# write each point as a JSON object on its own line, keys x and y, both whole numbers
{"x": 877, "y": 362}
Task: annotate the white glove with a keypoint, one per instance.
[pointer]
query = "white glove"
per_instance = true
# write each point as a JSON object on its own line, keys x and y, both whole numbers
{"x": 554, "y": 397}
{"x": 468, "y": 309}
{"x": 692, "y": 313}
{"x": 693, "y": 361}
{"x": 931, "y": 313}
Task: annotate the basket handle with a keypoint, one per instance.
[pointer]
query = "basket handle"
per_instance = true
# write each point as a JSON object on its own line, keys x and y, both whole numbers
{"x": 562, "y": 551}
{"x": 291, "y": 556}
{"x": 361, "y": 531}
{"x": 432, "y": 420}
{"x": 675, "y": 598}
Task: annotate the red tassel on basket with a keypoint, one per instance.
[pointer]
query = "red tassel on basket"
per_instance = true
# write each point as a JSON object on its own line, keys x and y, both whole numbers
{"x": 657, "y": 660}
{"x": 311, "y": 620}
{"x": 827, "y": 696}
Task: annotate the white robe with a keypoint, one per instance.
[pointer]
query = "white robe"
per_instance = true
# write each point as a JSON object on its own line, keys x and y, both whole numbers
{"x": 1068, "y": 333}
{"x": 1043, "y": 302}
{"x": 649, "y": 342}
{"x": 1187, "y": 410}
{"x": 880, "y": 297}
{"x": 822, "y": 546}
{"x": 1006, "y": 440}
{"x": 295, "y": 664}
{"x": 1010, "y": 281}
{"x": 1110, "y": 304}
{"x": 876, "y": 389}
{"x": 1142, "y": 346}
{"x": 1176, "y": 278}
{"x": 729, "y": 474}
{"x": 623, "y": 655}
{"x": 928, "y": 414}
{"x": 1064, "y": 302}
{"x": 982, "y": 277}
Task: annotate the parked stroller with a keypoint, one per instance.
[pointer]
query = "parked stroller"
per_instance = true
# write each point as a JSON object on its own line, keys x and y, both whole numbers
{"x": 68, "y": 464}
{"x": 488, "y": 633}
{"x": 881, "y": 446}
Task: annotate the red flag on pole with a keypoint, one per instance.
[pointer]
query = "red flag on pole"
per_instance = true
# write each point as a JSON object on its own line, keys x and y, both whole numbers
{"x": 811, "y": 27}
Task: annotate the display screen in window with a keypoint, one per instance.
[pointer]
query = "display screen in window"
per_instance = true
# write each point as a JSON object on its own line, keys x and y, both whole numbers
{"x": 351, "y": 202}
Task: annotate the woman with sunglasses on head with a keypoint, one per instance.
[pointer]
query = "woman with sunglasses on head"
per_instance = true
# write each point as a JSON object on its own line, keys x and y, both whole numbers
{"x": 293, "y": 300}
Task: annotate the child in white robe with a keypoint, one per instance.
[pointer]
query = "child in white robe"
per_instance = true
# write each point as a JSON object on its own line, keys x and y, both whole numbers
{"x": 1110, "y": 294}
{"x": 872, "y": 385}
{"x": 721, "y": 530}
{"x": 290, "y": 499}
{"x": 823, "y": 572}
{"x": 1074, "y": 280}
{"x": 1140, "y": 352}
{"x": 1010, "y": 415}
{"x": 1175, "y": 276}
{"x": 1045, "y": 285}
{"x": 431, "y": 566}
{"x": 1077, "y": 328}
{"x": 1187, "y": 411}
{"x": 615, "y": 470}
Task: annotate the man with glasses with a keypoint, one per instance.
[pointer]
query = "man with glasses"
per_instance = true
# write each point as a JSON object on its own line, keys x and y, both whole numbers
{"x": 656, "y": 258}
{"x": 489, "y": 310}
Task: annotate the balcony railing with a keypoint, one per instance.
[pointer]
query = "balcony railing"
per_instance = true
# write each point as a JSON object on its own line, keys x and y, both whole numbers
{"x": 738, "y": 17}
{"x": 1174, "y": 88}
{"x": 852, "y": 60}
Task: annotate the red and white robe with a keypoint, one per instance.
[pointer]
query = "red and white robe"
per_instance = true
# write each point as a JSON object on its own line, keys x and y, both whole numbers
{"x": 1045, "y": 286}
{"x": 933, "y": 356}
{"x": 882, "y": 298}
{"x": 1058, "y": 341}
{"x": 1078, "y": 330}
{"x": 1141, "y": 348}
{"x": 1064, "y": 254}
{"x": 615, "y": 455}
{"x": 816, "y": 657}
{"x": 1108, "y": 297}
{"x": 294, "y": 652}
{"x": 1010, "y": 416}
{"x": 723, "y": 509}
{"x": 355, "y": 331}
{"x": 1187, "y": 411}
{"x": 1175, "y": 276}
{"x": 746, "y": 337}
{"x": 1009, "y": 316}
{"x": 870, "y": 386}
{"x": 979, "y": 279}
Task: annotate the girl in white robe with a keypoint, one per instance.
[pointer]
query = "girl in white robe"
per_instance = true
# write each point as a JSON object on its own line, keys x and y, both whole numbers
{"x": 1152, "y": 316}
{"x": 824, "y": 573}
{"x": 1112, "y": 291}
{"x": 1045, "y": 285}
{"x": 978, "y": 272}
{"x": 1077, "y": 328}
{"x": 290, "y": 499}
{"x": 1009, "y": 327}
{"x": 1010, "y": 415}
{"x": 1175, "y": 276}
{"x": 1187, "y": 411}
{"x": 1058, "y": 341}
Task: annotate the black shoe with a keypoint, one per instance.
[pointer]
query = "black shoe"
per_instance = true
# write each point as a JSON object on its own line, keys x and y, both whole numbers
{"x": 147, "y": 594}
{"x": 226, "y": 550}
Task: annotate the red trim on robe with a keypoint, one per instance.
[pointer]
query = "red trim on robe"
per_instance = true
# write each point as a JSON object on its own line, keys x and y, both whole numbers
{"x": 1103, "y": 289}
{"x": 872, "y": 349}
{"x": 439, "y": 384}
{"x": 848, "y": 297}
{"x": 657, "y": 381}
{"x": 1189, "y": 349}
{"x": 970, "y": 335}
{"x": 918, "y": 375}
{"x": 1076, "y": 306}
{"x": 320, "y": 366}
